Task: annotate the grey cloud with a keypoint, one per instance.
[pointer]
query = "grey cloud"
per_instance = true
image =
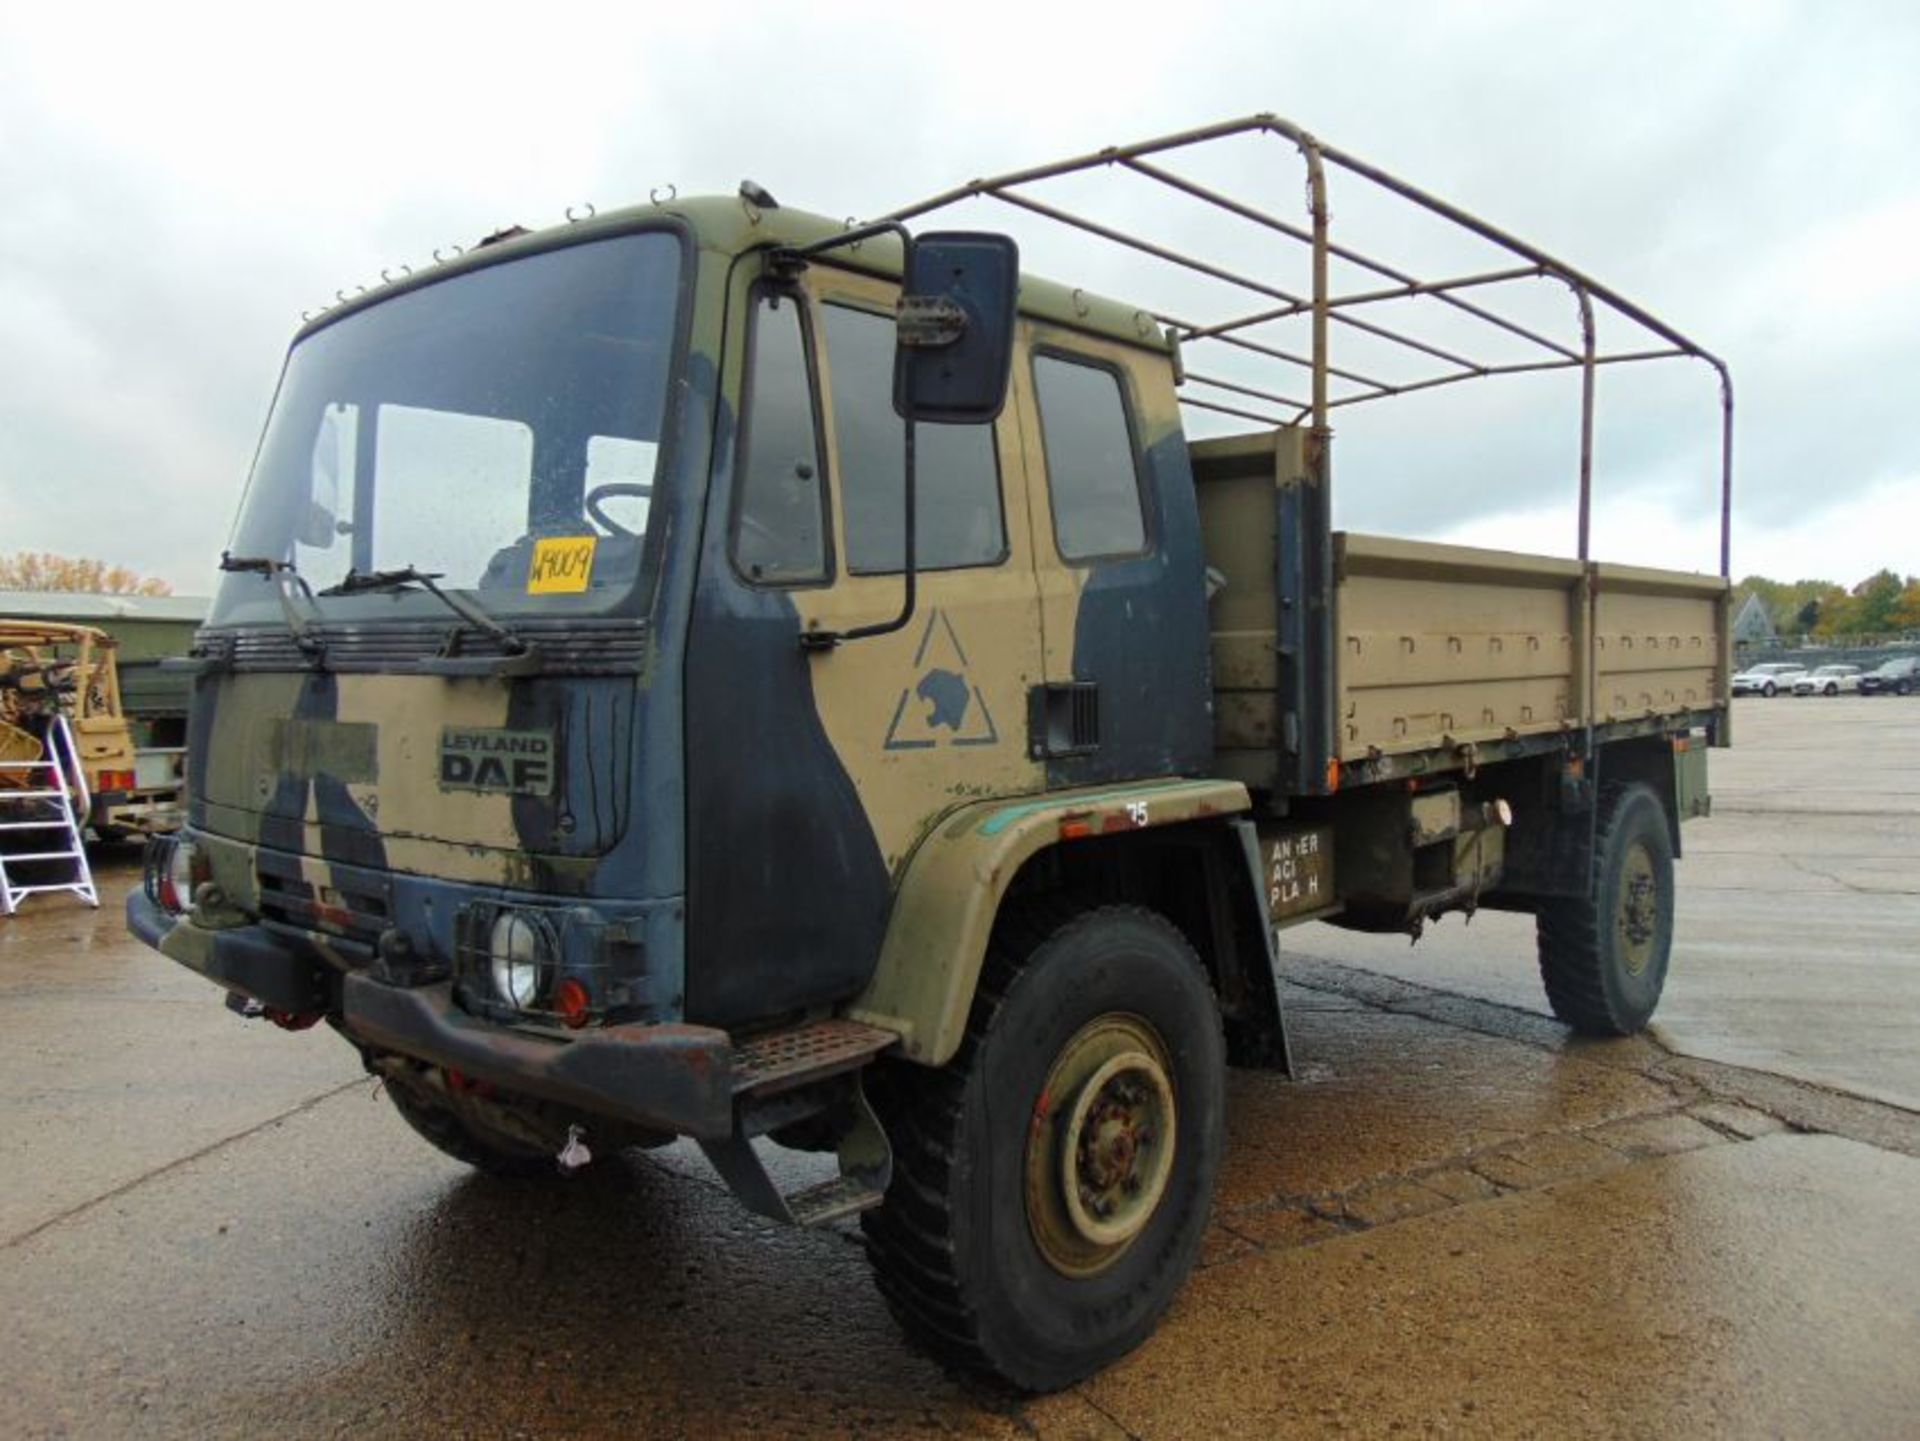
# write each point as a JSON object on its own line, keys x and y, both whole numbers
{"x": 1675, "y": 151}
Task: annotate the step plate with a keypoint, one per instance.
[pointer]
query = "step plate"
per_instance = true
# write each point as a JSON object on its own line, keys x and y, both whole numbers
{"x": 778, "y": 1059}
{"x": 832, "y": 1200}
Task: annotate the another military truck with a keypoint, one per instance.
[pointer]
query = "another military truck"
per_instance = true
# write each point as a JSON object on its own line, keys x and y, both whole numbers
{"x": 49, "y": 669}
{"x": 710, "y": 671}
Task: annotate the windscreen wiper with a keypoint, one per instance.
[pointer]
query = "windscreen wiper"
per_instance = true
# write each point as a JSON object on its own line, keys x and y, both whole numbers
{"x": 519, "y": 656}
{"x": 284, "y": 578}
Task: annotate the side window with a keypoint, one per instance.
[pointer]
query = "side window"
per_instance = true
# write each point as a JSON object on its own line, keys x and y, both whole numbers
{"x": 1091, "y": 471}
{"x": 779, "y": 524}
{"x": 957, "y": 510}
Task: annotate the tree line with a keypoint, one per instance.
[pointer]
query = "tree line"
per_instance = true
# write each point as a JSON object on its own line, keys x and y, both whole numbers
{"x": 42, "y": 570}
{"x": 1882, "y": 604}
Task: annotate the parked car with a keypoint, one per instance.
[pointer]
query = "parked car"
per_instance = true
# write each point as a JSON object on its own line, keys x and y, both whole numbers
{"x": 1899, "y": 676}
{"x": 1828, "y": 680}
{"x": 1768, "y": 679}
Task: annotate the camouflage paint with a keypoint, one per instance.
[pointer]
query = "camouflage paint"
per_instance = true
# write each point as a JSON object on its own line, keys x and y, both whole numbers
{"x": 752, "y": 806}
{"x": 1136, "y": 625}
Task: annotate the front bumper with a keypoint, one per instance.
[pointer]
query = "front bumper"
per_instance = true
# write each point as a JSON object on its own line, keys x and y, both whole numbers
{"x": 662, "y": 1077}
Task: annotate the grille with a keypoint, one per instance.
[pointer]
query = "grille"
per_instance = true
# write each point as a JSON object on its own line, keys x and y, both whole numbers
{"x": 578, "y": 647}
{"x": 1064, "y": 719}
{"x": 356, "y": 905}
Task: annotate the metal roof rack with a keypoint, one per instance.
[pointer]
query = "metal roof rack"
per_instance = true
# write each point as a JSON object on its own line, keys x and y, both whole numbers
{"x": 1352, "y": 310}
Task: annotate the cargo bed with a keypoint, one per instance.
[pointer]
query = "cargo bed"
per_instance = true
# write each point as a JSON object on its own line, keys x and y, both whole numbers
{"x": 1443, "y": 656}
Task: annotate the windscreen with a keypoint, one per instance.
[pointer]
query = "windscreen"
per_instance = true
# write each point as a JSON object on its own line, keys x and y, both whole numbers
{"x": 501, "y": 428}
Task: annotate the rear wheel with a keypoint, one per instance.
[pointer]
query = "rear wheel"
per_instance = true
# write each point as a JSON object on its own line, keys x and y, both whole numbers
{"x": 1051, "y": 1184}
{"x": 1603, "y": 957}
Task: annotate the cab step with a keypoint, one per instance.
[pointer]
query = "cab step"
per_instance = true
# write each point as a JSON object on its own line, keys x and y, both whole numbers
{"x": 866, "y": 1168}
{"x": 833, "y": 1200}
{"x": 776, "y": 1081}
{"x": 776, "y": 1061}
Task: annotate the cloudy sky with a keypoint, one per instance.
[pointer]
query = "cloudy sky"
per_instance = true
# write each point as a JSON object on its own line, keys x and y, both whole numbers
{"x": 178, "y": 183}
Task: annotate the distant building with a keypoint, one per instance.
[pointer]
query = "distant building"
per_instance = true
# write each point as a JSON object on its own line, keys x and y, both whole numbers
{"x": 147, "y": 626}
{"x": 1751, "y": 623}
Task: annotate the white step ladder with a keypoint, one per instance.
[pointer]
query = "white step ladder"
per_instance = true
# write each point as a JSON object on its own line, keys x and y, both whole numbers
{"x": 53, "y": 807}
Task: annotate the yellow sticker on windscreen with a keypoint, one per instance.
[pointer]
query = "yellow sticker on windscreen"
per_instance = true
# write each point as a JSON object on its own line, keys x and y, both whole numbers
{"x": 562, "y": 564}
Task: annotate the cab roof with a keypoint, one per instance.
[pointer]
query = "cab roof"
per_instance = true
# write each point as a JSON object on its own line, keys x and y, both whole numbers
{"x": 733, "y": 225}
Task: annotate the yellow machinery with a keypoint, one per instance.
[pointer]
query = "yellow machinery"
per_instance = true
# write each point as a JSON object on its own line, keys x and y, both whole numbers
{"x": 49, "y": 670}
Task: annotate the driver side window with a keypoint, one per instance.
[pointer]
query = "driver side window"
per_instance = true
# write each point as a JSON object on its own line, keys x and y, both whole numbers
{"x": 780, "y": 512}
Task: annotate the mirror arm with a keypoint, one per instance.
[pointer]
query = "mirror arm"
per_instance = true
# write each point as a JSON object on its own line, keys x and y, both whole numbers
{"x": 787, "y": 261}
{"x": 828, "y": 639}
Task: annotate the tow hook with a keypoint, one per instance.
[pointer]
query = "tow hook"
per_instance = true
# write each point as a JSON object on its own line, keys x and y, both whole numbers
{"x": 249, "y": 1009}
{"x": 574, "y": 1154}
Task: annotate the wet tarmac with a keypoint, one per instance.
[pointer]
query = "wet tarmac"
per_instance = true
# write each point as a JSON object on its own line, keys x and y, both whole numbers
{"x": 1455, "y": 1220}
{"x": 1797, "y": 942}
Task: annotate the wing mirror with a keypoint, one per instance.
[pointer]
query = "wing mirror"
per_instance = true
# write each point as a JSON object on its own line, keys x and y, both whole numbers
{"x": 955, "y": 327}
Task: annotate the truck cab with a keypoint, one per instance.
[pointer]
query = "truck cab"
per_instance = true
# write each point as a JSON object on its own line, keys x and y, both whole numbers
{"x": 641, "y": 702}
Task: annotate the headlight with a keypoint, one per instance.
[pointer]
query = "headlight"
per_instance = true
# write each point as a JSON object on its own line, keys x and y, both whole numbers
{"x": 176, "y": 886}
{"x": 520, "y": 953}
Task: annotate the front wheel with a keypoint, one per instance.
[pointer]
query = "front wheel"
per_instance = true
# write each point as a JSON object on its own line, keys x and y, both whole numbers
{"x": 1052, "y": 1183}
{"x": 1603, "y": 956}
{"x": 1768, "y": 690}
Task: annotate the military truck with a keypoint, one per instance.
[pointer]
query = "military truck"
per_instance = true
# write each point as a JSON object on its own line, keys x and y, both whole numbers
{"x": 712, "y": 671}
{"x": 49, "y": 669}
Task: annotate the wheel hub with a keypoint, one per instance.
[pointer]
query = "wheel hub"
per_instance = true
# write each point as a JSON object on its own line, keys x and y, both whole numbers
{"x": 1101, "y": 1146}
{"x": 1637, "y": 915}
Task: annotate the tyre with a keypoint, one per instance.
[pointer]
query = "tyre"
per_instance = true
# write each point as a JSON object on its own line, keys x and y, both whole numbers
{"x": 448, "y": 1132}
{"x": 1051, "y": 1184}
{"x": 1833, "y": 690}
{"x": 1768, "y": 690}
{"x": 1603, "y": 957}
{"x": 1899, "y": 687}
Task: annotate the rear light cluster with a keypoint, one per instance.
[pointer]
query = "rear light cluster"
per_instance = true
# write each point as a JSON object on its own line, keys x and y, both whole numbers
{"x": 114, "y": 781}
